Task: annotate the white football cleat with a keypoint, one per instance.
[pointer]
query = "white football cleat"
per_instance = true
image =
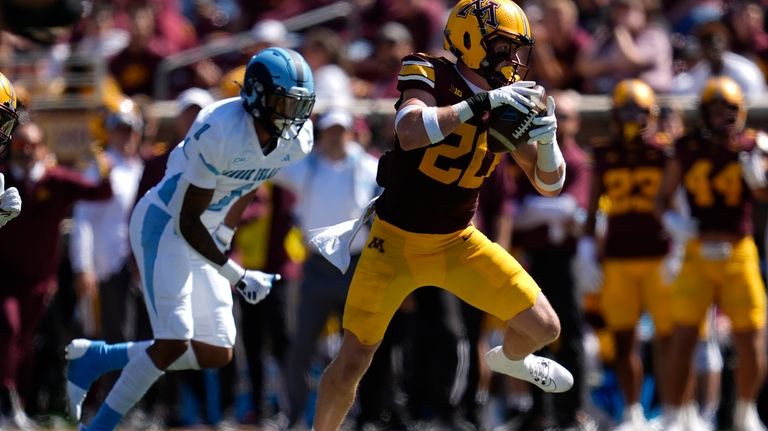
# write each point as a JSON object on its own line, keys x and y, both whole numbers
{"x": 634, "y": 419}
{"x": 542, "y": 372}
{"x": 745, "y": 417}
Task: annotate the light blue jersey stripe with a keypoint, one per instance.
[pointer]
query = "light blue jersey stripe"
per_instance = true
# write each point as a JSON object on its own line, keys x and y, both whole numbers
{"x": 208, "y": 165}
{"x": 155, "y": 221}
{"x": 168, "y": 189}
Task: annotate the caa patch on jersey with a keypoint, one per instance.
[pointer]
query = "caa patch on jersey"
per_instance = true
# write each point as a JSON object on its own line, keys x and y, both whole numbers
{"x": 508, "y": 128}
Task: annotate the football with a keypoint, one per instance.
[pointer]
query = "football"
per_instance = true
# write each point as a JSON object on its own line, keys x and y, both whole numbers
{"x": 508, "y": 128}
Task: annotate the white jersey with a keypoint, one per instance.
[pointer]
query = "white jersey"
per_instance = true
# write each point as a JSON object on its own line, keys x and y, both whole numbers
{"x": 222, "y": 152}
{"x": 186, "y": 296}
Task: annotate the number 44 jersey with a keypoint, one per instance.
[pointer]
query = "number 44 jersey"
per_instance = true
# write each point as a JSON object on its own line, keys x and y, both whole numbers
{"x": 717, "y": 195}
{"x": 435, "y": 189}
{"x": 222, "y": 152}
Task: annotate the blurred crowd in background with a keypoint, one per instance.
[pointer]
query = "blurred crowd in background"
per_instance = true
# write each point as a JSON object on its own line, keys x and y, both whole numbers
{"x": 120, "y": 87}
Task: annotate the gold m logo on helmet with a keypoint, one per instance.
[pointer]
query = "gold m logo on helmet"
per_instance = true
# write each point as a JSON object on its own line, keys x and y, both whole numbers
{"x": 477, "y": 9}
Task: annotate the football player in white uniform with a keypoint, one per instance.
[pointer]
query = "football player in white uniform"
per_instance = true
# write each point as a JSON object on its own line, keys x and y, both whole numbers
{"x": 181, "y": 228}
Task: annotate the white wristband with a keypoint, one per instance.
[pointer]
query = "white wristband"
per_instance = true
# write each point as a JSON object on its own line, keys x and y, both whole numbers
{"x": 549, "y": 158}
{"x": 232, "y": 271}
{"x": 463, "y": 111}
{"x": 429, "y": 117}
{"x": 548, "y": 187}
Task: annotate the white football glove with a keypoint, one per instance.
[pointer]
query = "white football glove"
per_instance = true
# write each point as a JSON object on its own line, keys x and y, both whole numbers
{"x": 255, "y": 285}
{"x": 10, "y": 202}
{"x": 587, "y": 274}
{"x": 679, "y": 227}
{"x": 518, "y": 95}
{"x": 753, "y": 169}
{"x": 222, "y": 236}
{"x": 545, "y": 133}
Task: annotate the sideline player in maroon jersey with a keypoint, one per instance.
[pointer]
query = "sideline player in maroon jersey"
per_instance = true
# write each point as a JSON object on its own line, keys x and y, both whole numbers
{"x": 422, "y": 234}
{"x": 720, "y": 166}
{"x": 627, "y": 174}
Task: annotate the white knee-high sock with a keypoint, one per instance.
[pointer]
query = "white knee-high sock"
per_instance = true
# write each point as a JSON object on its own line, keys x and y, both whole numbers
{"x": 137, "y": 377}
{"x": 136, "y": 347}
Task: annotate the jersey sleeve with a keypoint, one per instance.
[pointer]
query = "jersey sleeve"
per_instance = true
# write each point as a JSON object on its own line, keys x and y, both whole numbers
{"x": 202, "y": 148}
{"x": 417, "y": 71}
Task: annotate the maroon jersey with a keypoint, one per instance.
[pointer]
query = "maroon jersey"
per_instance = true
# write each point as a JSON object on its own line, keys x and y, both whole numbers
{"x": 631, "y": 179}
{"x": 30, "y": 242}
{"x": 711, "y": 175}
{"x": 435, "y": 189}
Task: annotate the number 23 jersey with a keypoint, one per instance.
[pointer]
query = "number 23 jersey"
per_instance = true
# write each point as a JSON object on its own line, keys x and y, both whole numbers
{"x": 630, "y": 178}
{"x": 435, "y": 189}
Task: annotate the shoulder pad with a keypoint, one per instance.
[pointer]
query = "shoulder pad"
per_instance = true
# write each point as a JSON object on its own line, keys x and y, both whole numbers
{"x": 419, "y": 68}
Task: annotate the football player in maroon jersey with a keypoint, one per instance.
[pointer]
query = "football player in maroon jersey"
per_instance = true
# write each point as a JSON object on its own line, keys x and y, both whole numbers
{"x": 423, "y": 234}
{"x": 720, "y": 166}
{"x": 627, "y": 175}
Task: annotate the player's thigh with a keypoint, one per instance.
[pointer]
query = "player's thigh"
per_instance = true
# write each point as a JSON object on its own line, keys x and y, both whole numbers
{"x": 656, "y": 297}
{"x": 620, "y": 296}
{"x": 486, "y": 276}
{"x": 692, "y": 293}
{"x": 382, "y": 280}
{"x": 742, "y": 293}
{"x": 163, "y": 261}
{"x": 212, "y": 302}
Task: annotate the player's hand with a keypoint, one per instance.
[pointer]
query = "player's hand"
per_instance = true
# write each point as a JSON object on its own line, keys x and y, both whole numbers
{"x": 587, "y": 274}
{"x": 10, "y": 202}
{"x": 547, "y": 130}
{"x": 753, "y": 169}
{"x": 680, "y": 228}
{"x": 672, "y": 263}
{"x": 518, "y": 95}
{"x": 255, "y": 285}
{"x": 222, "y": 236}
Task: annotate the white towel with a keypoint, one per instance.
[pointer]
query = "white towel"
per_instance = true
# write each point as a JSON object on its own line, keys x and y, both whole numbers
{"x": 333, "y": 242}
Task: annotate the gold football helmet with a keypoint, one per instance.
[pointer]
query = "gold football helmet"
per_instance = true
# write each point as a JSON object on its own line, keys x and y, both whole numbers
{"x": 634, "y": 108}
{"x": 8, "y": 116}
{"x": 722, "y": 106}
{"x": 474, "y": 26}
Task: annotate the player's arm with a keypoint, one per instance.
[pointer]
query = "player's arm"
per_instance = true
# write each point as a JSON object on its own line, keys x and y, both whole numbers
{"x": 196, "y": 200}
{"x": 410, "y": 125}
{"x": 680, "y": 227}
{"x": 669, "y": 183}
{"x": 420, "y": 123}
{"x": 594, "y": 200}
{"x": 540, "y": 157}
{"x": 588, "y": 274}
{"x": 225, "y": 232}
{"x": 753, "y": 167}
{"x": 548, "y": 183}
